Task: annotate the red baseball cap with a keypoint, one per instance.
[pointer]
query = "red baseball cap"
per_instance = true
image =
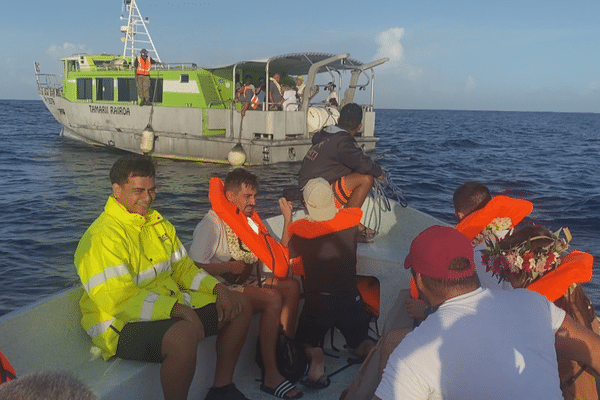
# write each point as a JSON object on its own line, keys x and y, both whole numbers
{"x": 433, "y": 249}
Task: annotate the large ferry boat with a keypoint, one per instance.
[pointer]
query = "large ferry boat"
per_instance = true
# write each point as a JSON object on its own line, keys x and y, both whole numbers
{"x": 193, "y": 113}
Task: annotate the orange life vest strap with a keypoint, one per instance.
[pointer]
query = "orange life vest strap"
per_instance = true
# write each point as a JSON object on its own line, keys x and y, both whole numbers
{"x": 7, "y": 372}
{"x": 345, "y": 218}
{"x": 499, "y": 207}
{"x": 264, "y": 246}
{"x": 370, "y": 289}
{"x": 575, "y": 267}
{"x": 414, "y": 292}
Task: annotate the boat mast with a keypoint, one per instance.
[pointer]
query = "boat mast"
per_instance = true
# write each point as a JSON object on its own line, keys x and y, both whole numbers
{"x": 136, "y": 33}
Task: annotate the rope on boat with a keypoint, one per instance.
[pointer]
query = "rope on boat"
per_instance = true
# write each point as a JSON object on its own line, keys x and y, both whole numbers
{"x": 380, "y": 195}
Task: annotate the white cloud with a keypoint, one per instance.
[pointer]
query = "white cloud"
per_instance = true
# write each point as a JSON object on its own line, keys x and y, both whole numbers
{"x": 390, "y": 46}
{"x": 66, "y": 50}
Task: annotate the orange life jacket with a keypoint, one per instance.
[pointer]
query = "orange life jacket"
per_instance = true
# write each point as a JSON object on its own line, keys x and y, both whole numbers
{"x": 7, "y": 372}
{"x": 254, "y": 101}
{"x": 144, "y": 66}
{"x": 575, "y": 267}
{"x": 263, "y": 245}
{"x": 499, "y": 207}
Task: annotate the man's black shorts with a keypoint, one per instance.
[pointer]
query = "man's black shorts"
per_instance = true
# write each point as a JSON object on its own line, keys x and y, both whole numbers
{"x": 142, "y": 341}
{"x": 321, "y": 312}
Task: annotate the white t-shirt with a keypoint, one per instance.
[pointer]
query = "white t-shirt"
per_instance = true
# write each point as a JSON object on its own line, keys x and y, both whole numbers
{"x": 289, "y": 101}
{"x": 482, "y": 345}
{"x": 209, "y": 244}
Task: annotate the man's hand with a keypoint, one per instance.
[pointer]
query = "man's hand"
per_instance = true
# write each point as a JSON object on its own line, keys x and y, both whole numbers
{"x": 229, "y": 304}
{"x": 286, "y": 208}
{"x": 236, "y": 266}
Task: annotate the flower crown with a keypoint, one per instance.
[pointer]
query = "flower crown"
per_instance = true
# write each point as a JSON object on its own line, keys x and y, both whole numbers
{"x": 493, "y": 232}
{"x": 521, "y": 257}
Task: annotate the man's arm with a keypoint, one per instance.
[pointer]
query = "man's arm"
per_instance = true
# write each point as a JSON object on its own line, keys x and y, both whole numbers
{"x": 353, "y": 157}
{"x": 286, "y": 210}
{"x": 575, "y": 342}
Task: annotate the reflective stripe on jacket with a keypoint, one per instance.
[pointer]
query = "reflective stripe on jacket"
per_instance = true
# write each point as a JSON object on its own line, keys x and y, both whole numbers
{"x": 144, "y": 66}
{"x": 133, "y": 268}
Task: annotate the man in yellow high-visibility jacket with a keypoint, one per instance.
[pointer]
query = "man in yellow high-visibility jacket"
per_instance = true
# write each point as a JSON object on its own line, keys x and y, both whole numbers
{"x": 145, "y": 299}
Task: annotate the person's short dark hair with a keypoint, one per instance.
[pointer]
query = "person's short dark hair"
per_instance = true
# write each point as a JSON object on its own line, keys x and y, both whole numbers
{"x": 247, "y": 78}
{"x": 458, "y": 264}
{"x": 47, "y": 385}
{"x": 470, "y": 197}
{"x": 238, "y": 177}
{"x": 131, "y": 165}
{"x": 350, "y": 116}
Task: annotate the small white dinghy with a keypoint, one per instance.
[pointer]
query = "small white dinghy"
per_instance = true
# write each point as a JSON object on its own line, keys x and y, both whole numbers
{"x": 47, "y": 335}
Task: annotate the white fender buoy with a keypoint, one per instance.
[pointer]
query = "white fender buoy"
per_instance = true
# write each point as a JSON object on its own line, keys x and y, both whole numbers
{"x": 237, "y": 155}
{"x": 147, "y": 142}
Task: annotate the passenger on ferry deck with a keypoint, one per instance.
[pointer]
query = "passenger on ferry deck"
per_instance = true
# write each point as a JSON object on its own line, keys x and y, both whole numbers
{"x": 326, "y": 241}
{"x": 336, "y": 156}
{"x": 275, "y": 94}
{"x": 219, "y": 249}
{"x": 479, "y": 343}
{"x": 289, "y": 99}
{"x": 557, "y": 276}
{"x": 260, "y": 90}
{"x": 247, "y": 95}
{"x": 332, "y": 98}
{"x": 142, "y": 65}
{"x": 145, "y": 299}
{"x": 300, "y": 88}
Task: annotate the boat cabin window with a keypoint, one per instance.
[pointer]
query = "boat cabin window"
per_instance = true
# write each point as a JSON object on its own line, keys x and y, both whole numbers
{"x": 72, "y": 65}
{"x": 105, "y": 89}
{"x": 84, "y": 88}
{"x": 185, "y": 78}
{"x": 126, "y": 89}
{"x": 156, "y": 85}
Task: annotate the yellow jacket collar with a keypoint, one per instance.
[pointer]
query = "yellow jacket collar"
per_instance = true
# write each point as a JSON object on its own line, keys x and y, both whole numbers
{"x": 116, "y": 209}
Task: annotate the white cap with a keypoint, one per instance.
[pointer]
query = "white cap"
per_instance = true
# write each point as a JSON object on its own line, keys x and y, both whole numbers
{"x": 319, "y": 201}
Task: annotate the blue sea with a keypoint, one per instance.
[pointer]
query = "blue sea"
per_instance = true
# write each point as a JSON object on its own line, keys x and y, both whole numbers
{"x": 53, "y": 188}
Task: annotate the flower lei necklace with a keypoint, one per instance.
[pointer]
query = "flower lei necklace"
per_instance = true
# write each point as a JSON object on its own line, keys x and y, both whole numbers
{"x": 521, "y": 257}
{"x": 237, "y": 249}
{"x": 494, "y": 232}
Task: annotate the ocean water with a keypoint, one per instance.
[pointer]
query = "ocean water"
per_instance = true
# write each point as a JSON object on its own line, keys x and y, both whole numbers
{"x": 52, "y": 188}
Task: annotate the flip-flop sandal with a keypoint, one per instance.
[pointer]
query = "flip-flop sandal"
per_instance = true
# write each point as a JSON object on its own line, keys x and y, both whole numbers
{"x": 282, "y": 390}
{"x": 320, "y": 383}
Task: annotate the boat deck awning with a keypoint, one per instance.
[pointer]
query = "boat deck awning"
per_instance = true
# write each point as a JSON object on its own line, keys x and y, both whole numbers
{"x": 295, "y": 64}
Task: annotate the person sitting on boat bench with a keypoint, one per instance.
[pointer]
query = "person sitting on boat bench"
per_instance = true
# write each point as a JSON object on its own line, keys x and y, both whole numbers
{"x": 336, "y": 156}
{"x": 145, "y": 299}
{"x": 142, "y": 65}
{"x": 479, "y": 342}
{"x": 275, "y": 96}
{"x": 228, "y": 243}
{"x": 326, "y": 241}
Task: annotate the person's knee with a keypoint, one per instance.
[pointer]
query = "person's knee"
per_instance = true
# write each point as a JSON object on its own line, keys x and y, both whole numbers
{"x": 181, "y": 339}
{"x": 273, "y": 301}
{"x": 291, "y": 289}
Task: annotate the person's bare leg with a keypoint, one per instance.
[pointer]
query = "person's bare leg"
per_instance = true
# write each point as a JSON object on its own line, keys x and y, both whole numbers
{"x": 230, "y": 341}
{"x": 290, "y": 292}
{"x": 359, "y": 185}
{"x": 179, "y": 359}
{"x": 363, "y": 349}
{"x": 268, "y": 302}
{"x": 389, "y": 343}
{"x": 317, "y": 363}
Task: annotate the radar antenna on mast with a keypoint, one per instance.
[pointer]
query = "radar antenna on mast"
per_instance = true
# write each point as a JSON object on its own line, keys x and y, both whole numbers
{"x": 136, "y": 33}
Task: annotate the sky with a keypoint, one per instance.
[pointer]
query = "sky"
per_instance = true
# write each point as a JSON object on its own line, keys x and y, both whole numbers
{"x": 509, "y": 55}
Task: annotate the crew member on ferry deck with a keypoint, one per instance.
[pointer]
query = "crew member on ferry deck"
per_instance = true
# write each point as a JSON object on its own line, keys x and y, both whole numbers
{"x": 142, "y": 66}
